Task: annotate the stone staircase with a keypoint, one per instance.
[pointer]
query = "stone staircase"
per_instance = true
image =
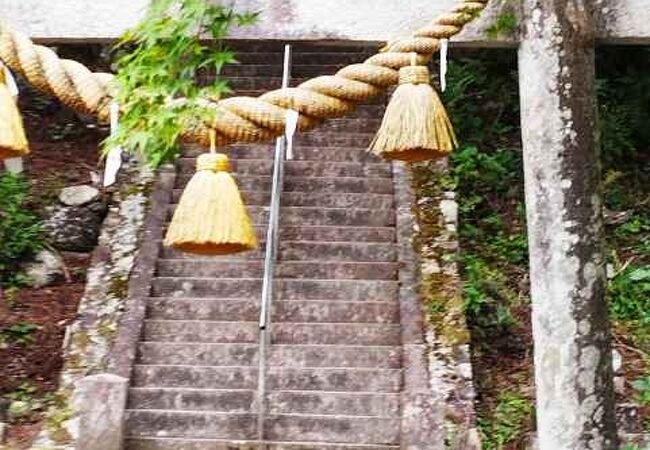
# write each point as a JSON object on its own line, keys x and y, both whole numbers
{"x": 335, "y": 364}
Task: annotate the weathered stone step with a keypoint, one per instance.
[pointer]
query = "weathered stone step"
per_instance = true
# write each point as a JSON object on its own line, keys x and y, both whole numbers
{"x": 299, "y": 58}
{"x": 313, "y": 215}
{"x": 358, "y": 125}
{"x": 305, "y": 251}
{"x": 322, "y": 169}
{"x": 362, "y": 201}
{"x": 275, "y": 70}
{"x": 291, "y": 355}
{"x": 236, "y": 310}
{"x": 278, "y": 402}
{"x": 282, "y": 332}
{"x": 302, "y": 153}
{"x": 332, "y": 138}
{"x": 160, "y": 443}
{"x": 284, "y": 269}
{"x": 323, "y": 235}
{"x": 214, "y": 425}
{"x": 278, "y": 378}
{"x": 286, "y": 289}
{"x": 332, "y": 403}
{"x": 345, "y": 429}
{"x": 238, "y": 81}
{"x": 216, "y": 400}
{"x": 350, "y": 185}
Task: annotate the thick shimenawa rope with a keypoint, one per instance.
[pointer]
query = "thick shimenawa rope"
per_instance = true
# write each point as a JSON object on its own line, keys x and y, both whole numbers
{"x": 243, "y": 119}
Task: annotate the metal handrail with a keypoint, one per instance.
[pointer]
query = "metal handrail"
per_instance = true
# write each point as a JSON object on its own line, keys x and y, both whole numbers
{"x": 270, "y": 259}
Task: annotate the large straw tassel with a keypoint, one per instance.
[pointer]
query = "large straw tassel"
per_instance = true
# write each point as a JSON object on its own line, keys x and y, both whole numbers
{"x": 415, "y": 126}
{"x": 211, "y": 218}
{"x": 13, "y": 142}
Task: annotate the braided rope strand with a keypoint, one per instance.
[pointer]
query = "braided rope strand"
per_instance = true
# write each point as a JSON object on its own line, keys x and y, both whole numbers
{"x": 243, "y": 119}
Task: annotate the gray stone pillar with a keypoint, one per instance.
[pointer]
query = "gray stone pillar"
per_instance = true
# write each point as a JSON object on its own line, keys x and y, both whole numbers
{"x": 573, "y": 368}
{"x": 100, "y": 401}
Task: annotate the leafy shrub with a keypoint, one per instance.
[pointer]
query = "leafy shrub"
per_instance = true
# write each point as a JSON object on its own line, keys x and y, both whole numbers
{"x": 21, "y": 333}
{"x": 20, "y": 229}
{"x": 161, "y": 59}
{"x": 506, "y": 423}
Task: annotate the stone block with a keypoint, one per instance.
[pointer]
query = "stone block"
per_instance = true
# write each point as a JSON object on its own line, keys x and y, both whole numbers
{"x": 101, "y": 401}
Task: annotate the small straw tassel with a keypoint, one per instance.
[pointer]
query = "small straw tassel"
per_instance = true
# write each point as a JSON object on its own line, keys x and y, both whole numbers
{"x": 211, "y": 218}
{"x": 415, "y": 126}
{"x": 13, "y": 142}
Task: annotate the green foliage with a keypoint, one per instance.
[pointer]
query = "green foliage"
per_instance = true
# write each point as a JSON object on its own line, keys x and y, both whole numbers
{"x": 21, "y": 333}
{"x": 629, "y": 301}
{"x": 161, "y": 60}
{"x": 504, "y": 25}
{"x": 642, "y": 386}
{"x": 506, "y": 423}
{"x": 487, "y": 298}
{"x": 28, "y": 400}
{"x": 624, "y": 95}
{"x": 20, "y": 229}
{"x": 486, "y": 173}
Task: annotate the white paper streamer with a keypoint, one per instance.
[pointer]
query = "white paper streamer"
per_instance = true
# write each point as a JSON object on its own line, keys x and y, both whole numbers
{"x": 444, "y": 53}
{"x": 290, "y": 129}
{"x": 114, "y": 157}
{"x": 13, "y": 165}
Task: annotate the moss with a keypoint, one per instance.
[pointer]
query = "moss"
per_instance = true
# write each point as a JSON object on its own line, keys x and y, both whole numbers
{"x": 107, "y": 329}
{"x": 119, "y": 286}
{"x": 440, "y": 286}
{"x": 505, "y": 24}
{"x": 445, "y": 310}
{"x": 81, "y": 340}
{"x": 57, "y": 415}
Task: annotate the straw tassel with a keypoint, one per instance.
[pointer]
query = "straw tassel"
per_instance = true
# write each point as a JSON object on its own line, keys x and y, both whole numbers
{"x": 13, "y": 142}
{"x": 415, "y": 126}
{"x": 211, "y": 218}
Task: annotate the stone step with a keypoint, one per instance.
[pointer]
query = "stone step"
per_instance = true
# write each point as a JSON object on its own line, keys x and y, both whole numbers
{"x": 285, "y": 289}
{"x": 345, "y": 429}
{"x": 278, "y": 402}
{"x": 321, "y": 169}
{"x": 291, "y": 355}
{"x": 340, "y": 185}
{"x": 278, "y": 378}
{"x": 275, "y": 70}
{"x": 304, "y": 251}
{"x": 318, "y": 138}
{"x": 362, "y": 201}
{"x": 284, "y": 269}
{"x": 358, "y": 125}
{"x": 233, "y": 426}
{"x": 212, "y": 425}
{"x": 314, "y": 215}
{"x": 310, "y": 58}
{"x": 243, "y": 310}
{"x": 324, "y": 235}
{"x": 282, "y": 333}
{"x": 302, "y": 153}
{"x": 159, "y": 443}
{"x": 264, "y": 82}
{"x": 215, "y": 400}
{"x": 333, "y": 403}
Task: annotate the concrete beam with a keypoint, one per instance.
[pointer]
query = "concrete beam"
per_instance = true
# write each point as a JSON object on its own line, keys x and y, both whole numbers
{"x": 622, "y": 21}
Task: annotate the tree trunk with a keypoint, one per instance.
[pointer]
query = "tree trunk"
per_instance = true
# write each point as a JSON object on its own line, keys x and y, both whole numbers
{"x": 573, "y": 368}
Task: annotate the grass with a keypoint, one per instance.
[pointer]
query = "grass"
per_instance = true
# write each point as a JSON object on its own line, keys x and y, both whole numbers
{"x": 486, "y": 172}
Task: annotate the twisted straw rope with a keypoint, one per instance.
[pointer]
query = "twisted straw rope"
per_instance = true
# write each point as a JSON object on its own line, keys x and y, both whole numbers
{"x": 243, "y": 119}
